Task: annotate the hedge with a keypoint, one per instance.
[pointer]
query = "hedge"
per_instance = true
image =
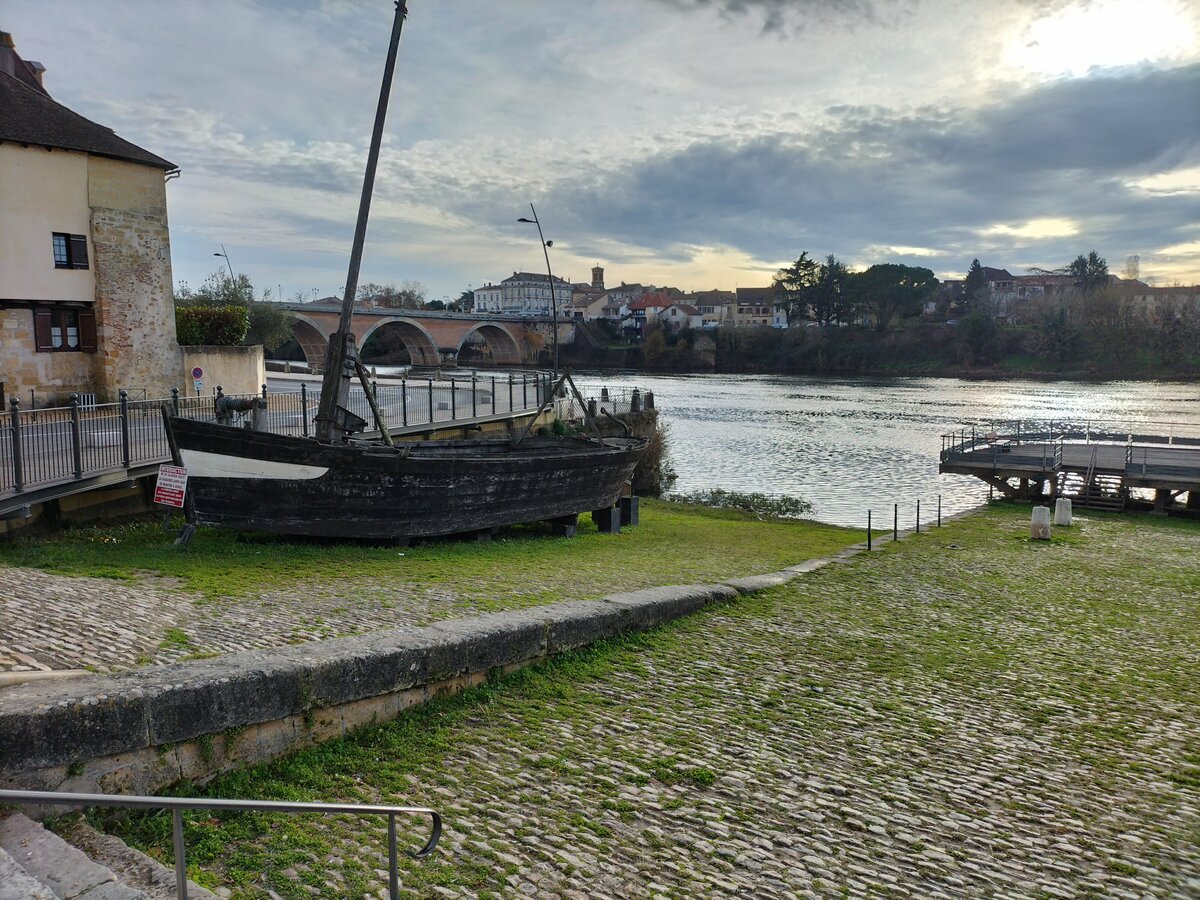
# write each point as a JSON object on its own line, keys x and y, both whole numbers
{"x": 221, "y": 326}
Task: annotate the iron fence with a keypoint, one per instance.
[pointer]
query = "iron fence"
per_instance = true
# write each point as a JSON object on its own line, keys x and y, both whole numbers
{"x": 51, "y": 445}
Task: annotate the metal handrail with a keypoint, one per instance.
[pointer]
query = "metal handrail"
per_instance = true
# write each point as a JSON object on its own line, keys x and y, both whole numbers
{"x": 176, "y": 804}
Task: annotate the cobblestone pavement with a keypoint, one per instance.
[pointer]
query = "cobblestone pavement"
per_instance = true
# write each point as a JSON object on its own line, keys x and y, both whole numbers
{"x": 52, "y": 621}
{"x": 963, "y": 714}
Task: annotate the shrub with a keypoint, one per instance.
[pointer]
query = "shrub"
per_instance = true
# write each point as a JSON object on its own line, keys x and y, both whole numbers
{"x": 220, "y": 326}
{"x": 762, "y": 506}
{"x": 654, "y": 473}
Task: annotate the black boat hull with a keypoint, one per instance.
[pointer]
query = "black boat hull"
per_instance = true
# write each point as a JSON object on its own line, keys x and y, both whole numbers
{"x": 257, "y": 481}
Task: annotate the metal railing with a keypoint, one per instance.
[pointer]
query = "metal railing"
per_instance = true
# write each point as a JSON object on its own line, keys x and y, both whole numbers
{"x": 614, "y": 402}
{"x": 178, "y": 804}
{"x": 49, "y": 446}
{"x": 1088, "y": 431}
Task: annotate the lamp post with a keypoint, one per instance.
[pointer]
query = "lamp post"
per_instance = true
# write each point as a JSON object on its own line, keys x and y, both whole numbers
{"x": 232, "y": 277}
{"x": 549, "y": 278}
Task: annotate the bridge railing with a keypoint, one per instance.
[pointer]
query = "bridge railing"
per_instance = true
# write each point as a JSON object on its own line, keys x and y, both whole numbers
{"x": 49, "y": 446}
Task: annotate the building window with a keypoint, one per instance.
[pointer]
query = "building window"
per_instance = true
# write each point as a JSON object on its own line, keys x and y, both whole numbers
{"x": 64, "y": 328}
{"x": 70, "y": 251}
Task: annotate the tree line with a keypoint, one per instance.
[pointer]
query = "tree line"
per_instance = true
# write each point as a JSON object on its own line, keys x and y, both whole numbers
{"x": 828, "y": 293}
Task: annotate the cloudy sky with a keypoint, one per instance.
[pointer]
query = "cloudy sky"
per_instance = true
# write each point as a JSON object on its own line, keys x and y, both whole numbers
{"x": 694, "y": 143}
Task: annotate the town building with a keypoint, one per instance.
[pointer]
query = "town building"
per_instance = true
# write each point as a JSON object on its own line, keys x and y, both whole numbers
{"x": 86, "y": 297}
{"x": 752, "y": 306}
{"x": 525, "y": 294}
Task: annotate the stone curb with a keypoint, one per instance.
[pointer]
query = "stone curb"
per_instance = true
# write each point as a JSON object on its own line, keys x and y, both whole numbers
{"x": 310, "y": 692}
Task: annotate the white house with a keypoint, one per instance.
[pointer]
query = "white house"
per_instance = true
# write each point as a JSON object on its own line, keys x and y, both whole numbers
{"x": 525, "y": 294}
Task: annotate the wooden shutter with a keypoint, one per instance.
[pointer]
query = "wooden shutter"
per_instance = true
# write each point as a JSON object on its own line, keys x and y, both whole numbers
{"x": 41, "y": 329}
{"x": 79, "y": 256}
{"x": 87, "y": 330}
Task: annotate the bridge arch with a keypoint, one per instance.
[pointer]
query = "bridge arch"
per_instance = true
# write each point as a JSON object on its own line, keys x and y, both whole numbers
{"x": 422, "y": 348}
{"x": 312, "y": 338}
{"x": 505, "y": 351}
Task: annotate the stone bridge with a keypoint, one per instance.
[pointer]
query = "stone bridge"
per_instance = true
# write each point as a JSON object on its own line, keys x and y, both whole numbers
{"x": 432, "y": 337}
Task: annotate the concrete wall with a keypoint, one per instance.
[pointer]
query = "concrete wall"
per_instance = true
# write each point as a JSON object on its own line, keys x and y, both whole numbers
{"x": 237, "y": 370}
{"x": 134, "y": 294}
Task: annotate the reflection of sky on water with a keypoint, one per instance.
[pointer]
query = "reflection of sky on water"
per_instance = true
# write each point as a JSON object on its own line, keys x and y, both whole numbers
{"x": 849, "y": 444}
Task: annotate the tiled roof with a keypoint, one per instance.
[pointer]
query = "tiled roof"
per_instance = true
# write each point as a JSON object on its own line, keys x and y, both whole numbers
{"x": 29, "y": 116}
{"x": 753, "y": 294}
{"x": 656, "y": 300}
{"x": 533, "y": 276}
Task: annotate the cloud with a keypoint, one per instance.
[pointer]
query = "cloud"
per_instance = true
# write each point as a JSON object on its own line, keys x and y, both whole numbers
{"x": 791, "y": 17}
{"x": 1051, "y": 165}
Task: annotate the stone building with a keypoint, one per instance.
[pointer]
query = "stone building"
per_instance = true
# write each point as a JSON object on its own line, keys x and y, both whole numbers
{"x": 526, "y": 294}
{"x": 86, "y": 303}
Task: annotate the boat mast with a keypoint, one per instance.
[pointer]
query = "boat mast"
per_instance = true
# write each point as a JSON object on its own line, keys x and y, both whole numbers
{"x": 341, "y": 360}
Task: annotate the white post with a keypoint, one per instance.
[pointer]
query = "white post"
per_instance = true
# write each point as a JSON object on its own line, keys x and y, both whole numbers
{"x": 1039, "y": 524}
{"x": 1062, "y": 511}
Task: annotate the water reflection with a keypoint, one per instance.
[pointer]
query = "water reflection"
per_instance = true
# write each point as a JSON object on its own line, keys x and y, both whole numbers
{"x": 849, "y": 444}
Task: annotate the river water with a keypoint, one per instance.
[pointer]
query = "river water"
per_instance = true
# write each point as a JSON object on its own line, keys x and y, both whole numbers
{"x": 847, "y": 445}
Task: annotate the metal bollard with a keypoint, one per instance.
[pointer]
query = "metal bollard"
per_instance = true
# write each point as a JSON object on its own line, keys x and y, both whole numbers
{"x": 124, "y": 398}
{"x": 304, "y": 406}
{"x": 76, "y": 441}
{"x": 175, "y": 400}
{"x": 918, "y": 517}
{"x": 869, "y": 531}
{"x": 17, "y": 459}
{"x": 896, "y": 522}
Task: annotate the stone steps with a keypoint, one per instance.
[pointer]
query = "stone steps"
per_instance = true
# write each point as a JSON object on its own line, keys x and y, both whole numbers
{"x": 37, "y": 864}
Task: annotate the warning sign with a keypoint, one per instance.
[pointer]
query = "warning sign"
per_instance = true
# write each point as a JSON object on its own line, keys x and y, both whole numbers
{"x": 172, "y": 483}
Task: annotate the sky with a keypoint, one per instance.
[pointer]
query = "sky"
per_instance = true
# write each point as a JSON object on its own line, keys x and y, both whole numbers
{"x": 693, "y": 143}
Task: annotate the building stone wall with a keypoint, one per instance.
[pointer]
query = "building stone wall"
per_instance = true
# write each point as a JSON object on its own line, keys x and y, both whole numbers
{"x": 135, "y": 305}
{"x": 51, "y": 376}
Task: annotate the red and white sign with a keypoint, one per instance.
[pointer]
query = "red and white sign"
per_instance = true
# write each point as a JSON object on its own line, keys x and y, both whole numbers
{"x": 197, "y": 372}
{"x": 171, "y": 485}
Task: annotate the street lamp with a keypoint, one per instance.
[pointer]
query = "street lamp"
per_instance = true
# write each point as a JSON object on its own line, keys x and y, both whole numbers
{"x": 549, "y": 278}
{"x": 227, "y": 262}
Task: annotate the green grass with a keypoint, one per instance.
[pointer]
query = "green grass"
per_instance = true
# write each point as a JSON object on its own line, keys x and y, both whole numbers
{"x": 526, "y": 565}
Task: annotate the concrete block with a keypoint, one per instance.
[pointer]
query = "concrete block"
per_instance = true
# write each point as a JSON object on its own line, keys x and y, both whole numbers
{"x": 17, "y": 884}
{"x": 476, "y": 645}
{"x": 629, "y": 511}
{"x": 64, "y": 869}
{"x": 55, "y": 723}
{"x": 752, "y": 583}
{"x": 608, "y": 520}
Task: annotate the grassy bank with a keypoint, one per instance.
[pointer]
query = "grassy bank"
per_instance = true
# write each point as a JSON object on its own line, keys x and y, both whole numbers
{"x": 965, "y": 712}
{"x": 674, "y": 544}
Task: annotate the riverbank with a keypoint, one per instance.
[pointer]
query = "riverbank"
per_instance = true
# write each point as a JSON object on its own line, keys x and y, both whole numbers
{"x": 917, "y": 349}
{"x": 113, "y": 597}
{"x": 962, "y": 712}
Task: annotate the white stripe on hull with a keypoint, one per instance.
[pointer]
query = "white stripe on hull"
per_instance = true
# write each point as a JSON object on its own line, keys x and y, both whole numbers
{"x": 219, "y": 465}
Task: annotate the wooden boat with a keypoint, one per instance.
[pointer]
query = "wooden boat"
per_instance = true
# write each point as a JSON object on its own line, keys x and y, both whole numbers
{"x": 254, "y": 480}
{"x": 338, "y": 485}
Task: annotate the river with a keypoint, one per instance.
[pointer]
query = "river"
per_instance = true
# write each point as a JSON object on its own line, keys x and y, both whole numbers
{"x": 847, "y": 445}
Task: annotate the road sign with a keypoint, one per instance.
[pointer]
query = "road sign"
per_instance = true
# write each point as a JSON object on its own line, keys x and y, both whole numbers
{"x": 197, "y": 372}
{"x": 171, "y": 485}
{"x": 198, "y": 385}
